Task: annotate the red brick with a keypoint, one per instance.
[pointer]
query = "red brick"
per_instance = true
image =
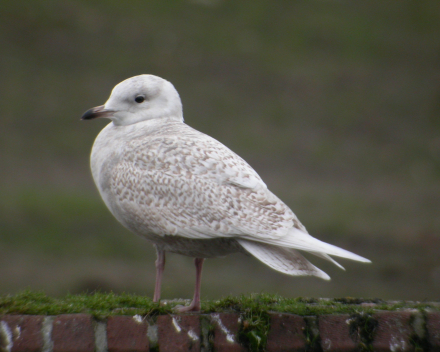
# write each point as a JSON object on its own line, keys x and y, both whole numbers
{"x": 127, "y": 334}
{"x": 334, "y": 331}
{"x": 433, "y": 327}
{"x": 286, "y": 333}
{"x": 25, "y": 332}
{"x": 73, "y": 333}
{"x": 393, "y": 332}
{"x": 178, "y": 333}
{"x": 226, "y": 328}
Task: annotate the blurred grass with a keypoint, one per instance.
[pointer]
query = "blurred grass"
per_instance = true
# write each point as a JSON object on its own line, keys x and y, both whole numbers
{"x": 335, "y": 104}
{"x": 52, "y": 221}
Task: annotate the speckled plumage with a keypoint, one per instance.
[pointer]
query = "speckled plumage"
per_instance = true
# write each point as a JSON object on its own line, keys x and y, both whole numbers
{"x": 185, "y": 191}
{"x": 165, "y": 178}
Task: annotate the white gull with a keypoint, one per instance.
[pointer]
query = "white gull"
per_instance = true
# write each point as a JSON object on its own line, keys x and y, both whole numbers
{"x": 186, "y": 192}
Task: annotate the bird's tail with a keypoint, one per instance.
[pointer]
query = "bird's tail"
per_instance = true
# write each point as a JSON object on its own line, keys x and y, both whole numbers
{"x": 298, "y": 239}
{"x": 285, "y": 260}
{"x": 281, "y": 253}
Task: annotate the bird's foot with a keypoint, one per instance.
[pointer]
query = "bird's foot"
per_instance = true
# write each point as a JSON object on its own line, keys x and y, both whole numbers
{"x": 193, "y": 307}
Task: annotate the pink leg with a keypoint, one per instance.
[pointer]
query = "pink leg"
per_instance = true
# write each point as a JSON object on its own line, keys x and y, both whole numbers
{"x": 195, "y": 304}
{"x": 160, "y": 266}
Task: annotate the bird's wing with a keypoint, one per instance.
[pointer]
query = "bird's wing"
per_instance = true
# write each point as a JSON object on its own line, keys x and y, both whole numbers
{"x": 179, "y": 181}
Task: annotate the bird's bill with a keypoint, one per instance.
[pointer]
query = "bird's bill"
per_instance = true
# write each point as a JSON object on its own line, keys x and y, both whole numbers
{"x": 97, "y": 111}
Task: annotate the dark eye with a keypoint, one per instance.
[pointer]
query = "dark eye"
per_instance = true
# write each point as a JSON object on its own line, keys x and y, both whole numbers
{"x": 139, "y": 99}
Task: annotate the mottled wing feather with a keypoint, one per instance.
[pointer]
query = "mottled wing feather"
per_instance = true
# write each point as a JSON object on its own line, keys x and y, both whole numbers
{"x": 182, "y": 182}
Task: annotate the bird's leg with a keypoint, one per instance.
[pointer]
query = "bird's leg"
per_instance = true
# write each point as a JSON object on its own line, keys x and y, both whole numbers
{"x": 195, "y": 304}
{"x": 160, "y": 266}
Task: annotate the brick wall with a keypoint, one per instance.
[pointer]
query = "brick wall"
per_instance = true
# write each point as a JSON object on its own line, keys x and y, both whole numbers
{"x": 407, "y": 330}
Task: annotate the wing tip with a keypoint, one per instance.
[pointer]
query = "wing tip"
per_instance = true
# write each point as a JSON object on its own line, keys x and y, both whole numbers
{"x": 362, "y": 259}
{"x": 323, "y": 275}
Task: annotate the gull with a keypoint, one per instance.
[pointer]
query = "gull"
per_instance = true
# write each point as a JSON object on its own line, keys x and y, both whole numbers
{"x": 189, "y": 194}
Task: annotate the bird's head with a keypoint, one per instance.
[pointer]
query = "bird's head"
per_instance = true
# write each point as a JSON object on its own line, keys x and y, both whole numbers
{"x": 137, "y": 99}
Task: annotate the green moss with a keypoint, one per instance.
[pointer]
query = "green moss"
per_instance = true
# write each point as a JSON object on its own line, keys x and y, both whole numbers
{"x": 253, "y": 307}
{"x": 300, "y": 305}
{"x": 419, "y": 338}
{"x": 98, "y": 304}
{"x": 365, "y": 326}
{"x": 255, "y": 328}
{"x": 207, "y": 330}
{"x": 311, "y": 333}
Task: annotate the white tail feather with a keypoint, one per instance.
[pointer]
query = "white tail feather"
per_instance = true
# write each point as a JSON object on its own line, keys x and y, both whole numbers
{"x": 327, "y": 257}
{"x": 285, "y": 260}
{"x": 303, "y": 241}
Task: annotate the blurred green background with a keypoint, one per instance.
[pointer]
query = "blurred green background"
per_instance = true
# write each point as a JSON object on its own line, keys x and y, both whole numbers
{"x": 336, "y": 104}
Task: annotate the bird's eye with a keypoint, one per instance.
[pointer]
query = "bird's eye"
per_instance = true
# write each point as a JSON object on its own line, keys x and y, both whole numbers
{"x": 139, "y": 99}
